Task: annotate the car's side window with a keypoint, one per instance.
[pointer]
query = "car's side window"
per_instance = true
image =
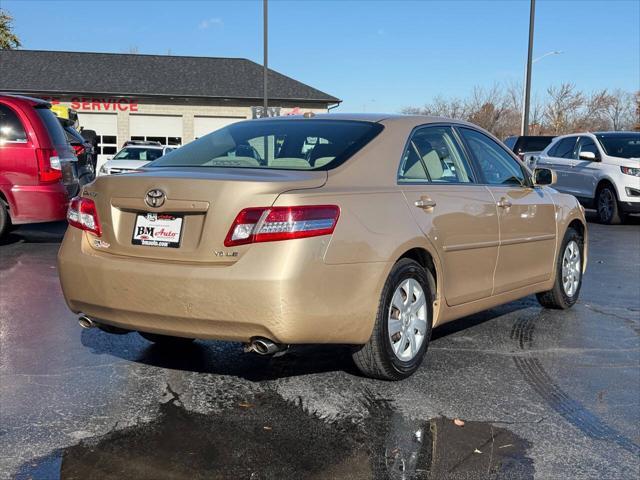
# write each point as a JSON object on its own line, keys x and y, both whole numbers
{"x": 497, "y": 166}
{"x": 433, "y": 155}
{"x": 565, "y": 148}
{"x": 586, "y": 144}
{"x": 11, "y": 128}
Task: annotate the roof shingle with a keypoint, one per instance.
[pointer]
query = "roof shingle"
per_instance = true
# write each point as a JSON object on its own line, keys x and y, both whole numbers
{"x": 146, "y": 75}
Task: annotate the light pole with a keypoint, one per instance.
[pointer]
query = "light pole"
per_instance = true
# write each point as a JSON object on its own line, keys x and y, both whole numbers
{"x": 555, "y": 52}
{"x": 265, "y": 12}
{"x": 524, "y": 129}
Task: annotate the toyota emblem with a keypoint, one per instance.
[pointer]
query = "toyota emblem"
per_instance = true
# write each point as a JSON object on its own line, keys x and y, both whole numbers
{"x": 155, "y": 198}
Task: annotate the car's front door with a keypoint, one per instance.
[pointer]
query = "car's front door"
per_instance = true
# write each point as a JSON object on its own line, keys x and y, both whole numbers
{"x": 458, "y": 216}
{"x": 526, "y": 215}
{"x": 585, "y": 171}
{"x": 560, "y": 158}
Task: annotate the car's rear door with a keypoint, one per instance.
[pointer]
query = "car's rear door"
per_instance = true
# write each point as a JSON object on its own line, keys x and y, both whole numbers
{"x": 457, "y": 215}
{"x": 526, "y": 215}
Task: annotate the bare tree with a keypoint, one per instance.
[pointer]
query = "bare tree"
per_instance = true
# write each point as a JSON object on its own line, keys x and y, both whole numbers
{"x": 564, "y": 109}
{"x": 619, "y": 110}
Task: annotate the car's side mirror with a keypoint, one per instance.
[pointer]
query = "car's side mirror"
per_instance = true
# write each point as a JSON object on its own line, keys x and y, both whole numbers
{"x": 544, "y": 176}
{"x": 590, "y": 156}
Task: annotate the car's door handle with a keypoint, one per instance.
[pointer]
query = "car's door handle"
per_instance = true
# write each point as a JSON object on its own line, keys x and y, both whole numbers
{"x": 425, "y": 203}
{"x": 504, "y": 203}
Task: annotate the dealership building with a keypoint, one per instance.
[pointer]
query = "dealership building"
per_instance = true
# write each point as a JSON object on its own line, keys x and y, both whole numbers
{"x": 169, "y": 99}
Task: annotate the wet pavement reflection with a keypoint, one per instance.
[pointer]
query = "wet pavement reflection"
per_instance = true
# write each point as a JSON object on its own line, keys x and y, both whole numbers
{"x": 267, "y": 437}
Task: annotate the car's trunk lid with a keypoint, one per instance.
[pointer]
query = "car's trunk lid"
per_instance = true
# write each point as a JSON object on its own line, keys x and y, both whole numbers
{"x": 207, "y": 199}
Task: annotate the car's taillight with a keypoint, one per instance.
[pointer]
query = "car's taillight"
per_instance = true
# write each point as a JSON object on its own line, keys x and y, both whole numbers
{"x": 48, "y": 165}
{"x": 83, "y": 214}
{"x": 269, "y": 224}
{"x": 79, "y": 149}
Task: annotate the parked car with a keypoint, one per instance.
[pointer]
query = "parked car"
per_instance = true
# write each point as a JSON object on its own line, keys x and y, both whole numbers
{"x": 389, "y": 226}
{"x": 601, "y": 169}
{"x": 37, "y": 165}
{"x": 84, "y": 150}
{"x": 527, "y": 147}
{"x": 132, "y": 157}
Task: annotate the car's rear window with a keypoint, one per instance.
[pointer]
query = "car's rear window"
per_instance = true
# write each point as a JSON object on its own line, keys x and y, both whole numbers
{"x": 138, "y": 153}
{"x": 304, "y": 144}
{"x": 534, "y": 144}
{"x": 52, "y": 124}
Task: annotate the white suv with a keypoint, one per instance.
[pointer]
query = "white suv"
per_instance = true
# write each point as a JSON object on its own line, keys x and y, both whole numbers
{"x": 601, "y": 169}
{"x": 133, "y": 157}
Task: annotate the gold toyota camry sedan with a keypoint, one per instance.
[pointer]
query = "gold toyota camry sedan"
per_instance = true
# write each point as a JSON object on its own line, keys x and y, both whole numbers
{"x": 366, "y": 230}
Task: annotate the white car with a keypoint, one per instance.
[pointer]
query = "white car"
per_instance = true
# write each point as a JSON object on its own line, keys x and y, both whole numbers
{"x": 602, "y": 170}
{"x": 133, "y": 157}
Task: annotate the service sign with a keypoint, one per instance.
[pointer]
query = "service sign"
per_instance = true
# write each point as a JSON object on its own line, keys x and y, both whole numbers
{"x": 101, "y": 104}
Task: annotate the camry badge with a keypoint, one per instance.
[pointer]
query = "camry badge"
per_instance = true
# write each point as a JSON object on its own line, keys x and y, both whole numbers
{"x": 155, "y": 198}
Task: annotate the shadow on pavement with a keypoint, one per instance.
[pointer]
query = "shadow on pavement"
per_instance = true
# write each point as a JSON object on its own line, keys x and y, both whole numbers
{"x": 36, "y": 233}
{"x": 222, "y": 358}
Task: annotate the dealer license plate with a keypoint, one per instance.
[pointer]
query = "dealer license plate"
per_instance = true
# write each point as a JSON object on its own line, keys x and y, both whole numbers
{"x": 157, "y": 230}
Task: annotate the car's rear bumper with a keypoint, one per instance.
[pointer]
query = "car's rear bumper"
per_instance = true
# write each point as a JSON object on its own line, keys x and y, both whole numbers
{"x": 279, "y": 290}
{"x": 38, "y": 203}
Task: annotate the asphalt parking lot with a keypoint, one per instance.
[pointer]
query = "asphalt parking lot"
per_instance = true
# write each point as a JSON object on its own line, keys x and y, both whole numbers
{"x": 542, "y": 394}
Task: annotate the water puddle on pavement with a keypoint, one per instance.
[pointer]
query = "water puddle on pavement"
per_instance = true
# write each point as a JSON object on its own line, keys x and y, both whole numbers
{"x": 266, "y": 437}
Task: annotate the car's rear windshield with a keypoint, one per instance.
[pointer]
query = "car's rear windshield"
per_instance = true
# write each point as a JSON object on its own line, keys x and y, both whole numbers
{"x": 300, "y": 144}
{"x": 534, "y": 144}
{"x": 138, "y": 153}
{"x": 621, "y": 145}
{"x": 52, "y": 124}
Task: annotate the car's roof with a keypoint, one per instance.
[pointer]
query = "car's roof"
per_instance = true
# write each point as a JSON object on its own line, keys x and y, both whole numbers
{"x": 617, "y": 133}
{"x": 370, "y": 117}
{"x": 145, "y": 147}
{"x": 24, "y": 98}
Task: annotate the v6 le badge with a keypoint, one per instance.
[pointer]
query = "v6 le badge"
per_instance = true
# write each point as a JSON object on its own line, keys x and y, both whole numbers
{"x": 222, "y": 253}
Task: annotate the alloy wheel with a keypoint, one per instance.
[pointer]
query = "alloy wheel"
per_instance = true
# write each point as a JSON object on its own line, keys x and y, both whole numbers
{"x": 407, "y": 321}
{"x": 571, "y": 268}
{"x": 605, "y": 204}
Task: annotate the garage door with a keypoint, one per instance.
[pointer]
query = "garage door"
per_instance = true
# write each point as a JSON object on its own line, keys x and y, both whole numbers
{"x": 166, "y": 129}
{"x": 106, "y": 127}
{"x": 204, "y": 125}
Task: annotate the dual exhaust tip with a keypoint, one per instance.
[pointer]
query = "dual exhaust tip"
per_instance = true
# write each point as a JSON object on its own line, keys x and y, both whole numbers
{"x": 86, "y": 322}
{"x": 264, "y": 346}
{"x": 261, "y": 346}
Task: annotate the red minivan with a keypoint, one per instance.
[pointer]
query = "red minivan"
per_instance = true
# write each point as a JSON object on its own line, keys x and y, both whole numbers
{"x": 37, "y": 164}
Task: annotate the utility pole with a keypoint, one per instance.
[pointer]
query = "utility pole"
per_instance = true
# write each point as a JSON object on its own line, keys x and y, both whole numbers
{"x": 524, "y": 130}
{"x": 265, "y": 13}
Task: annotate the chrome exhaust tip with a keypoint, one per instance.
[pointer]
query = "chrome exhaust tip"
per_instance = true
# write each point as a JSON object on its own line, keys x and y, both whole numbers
{"x": 86, "y": 322}
{"x": 264, "y": 346}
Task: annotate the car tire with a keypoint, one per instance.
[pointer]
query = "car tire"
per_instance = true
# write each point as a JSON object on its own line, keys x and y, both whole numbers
{"x": 5, "y": 220}
{"x": 607, "y": 206}
{"x": 167, "y": 340}
{"x": 383, "y": 357}
{"x": 566, "y": 288}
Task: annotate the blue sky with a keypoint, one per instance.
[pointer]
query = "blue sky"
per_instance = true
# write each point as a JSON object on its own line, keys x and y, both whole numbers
{"x": 375, "y": 55}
